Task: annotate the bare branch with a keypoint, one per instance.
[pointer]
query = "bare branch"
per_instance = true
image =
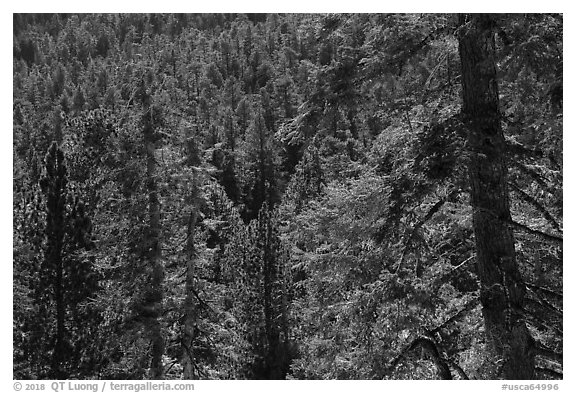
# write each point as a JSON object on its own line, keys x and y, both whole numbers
{"x": 459, "y": 370}
{"x": 443, "y": 279}
{"x": 543, "y": 302}
{"x": 467, "y": 308}
{"x": 547, "y": 291}
{"x": 549, "y": 371}
{"x": 430, "y": 346}
{"x": 543, "y": 235}
{"x": 419, "y": 225}
{"x": 543, "y": 350}
{"x": 534, "y": 175}
{"x": 532, "y": 201}
{"x": 524, "y": 228}
{"x": 515, "y": 148}
{"x": 431, "y": 349}
{"x": 540, "y": 323}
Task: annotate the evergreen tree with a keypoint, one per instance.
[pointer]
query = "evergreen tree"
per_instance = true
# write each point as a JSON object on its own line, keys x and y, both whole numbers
{"x": 257, "y": 261}
{"x": 53, "y": 186}
{"x": 261, "y": 160}
{"x": 152, "y": 296}
{"x": 342, "y": 196}
{"x": 502, "y": 288}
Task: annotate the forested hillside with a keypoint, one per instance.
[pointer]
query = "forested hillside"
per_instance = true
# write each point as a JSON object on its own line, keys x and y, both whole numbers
{"x": 296, "y": 196}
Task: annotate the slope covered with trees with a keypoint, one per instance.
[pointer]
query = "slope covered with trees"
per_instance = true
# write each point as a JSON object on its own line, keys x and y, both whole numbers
{"x": 295, "y": 196}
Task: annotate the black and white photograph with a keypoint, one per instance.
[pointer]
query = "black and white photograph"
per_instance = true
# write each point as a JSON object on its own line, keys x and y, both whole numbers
{"x": 287, "y": 196}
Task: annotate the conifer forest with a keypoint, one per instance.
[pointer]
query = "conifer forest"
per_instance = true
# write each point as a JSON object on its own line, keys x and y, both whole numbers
{"x": 287, "y": 196}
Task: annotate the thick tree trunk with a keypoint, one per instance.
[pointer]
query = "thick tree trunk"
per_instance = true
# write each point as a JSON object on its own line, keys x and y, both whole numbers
{"x": 502, "y": 288}
{"x": 154, "y": 295}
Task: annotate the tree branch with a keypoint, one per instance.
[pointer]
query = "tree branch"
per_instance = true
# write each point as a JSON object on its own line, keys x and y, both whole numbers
{"x": 535, "y": 321}
{"x": 532, "y": 201}
{"x": 429, "y": 344}
{"x": 511, "y": 222}
{"x": 459, "y": 370}
{"x": 547, "y": 291}
{"x": 543, "y": 235}
{"x": 550, "y": 372}
{"x": 419, "y": 225}
{"x": 208, "y": 307}
{"x": 544, "y": 303}
{"x": 443, "y": 279}
{"x": 549, "y": 353}
{"x": 467, "y": 307}
{"x": 534, "y": 175}
{"x": 431, "y": 349}
{"x": 515, "y": 148}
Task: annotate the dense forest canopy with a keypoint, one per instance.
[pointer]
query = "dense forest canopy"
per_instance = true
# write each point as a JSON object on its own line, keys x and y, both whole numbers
{"x": 287, "y": 196}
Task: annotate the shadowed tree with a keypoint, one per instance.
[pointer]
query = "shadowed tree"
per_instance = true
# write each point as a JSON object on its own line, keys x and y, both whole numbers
{"x": 153, "y": 295}
{"x": 502, "y": 288}
{"x": 53, "y": 186}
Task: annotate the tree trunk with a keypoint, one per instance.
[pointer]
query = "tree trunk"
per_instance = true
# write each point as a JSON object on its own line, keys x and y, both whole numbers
{"x": 269, "y": 261}
{"x": 59, "y": 344}
{"x": 190, "y": 307}
{"x": 502, "y": 289}
{"x": 154, "y": 295}
{"x": 54, "y": 187}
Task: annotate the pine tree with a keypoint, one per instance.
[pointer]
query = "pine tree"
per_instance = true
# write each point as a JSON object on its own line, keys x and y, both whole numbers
{"x": 257, "y": 262}
{"x": 67, "y": 277}
{"x": 190, "y": 306}
{"x": 260, "y": 146}
{"x": 153, "y": 295}
{"x": 53, "y": 186}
